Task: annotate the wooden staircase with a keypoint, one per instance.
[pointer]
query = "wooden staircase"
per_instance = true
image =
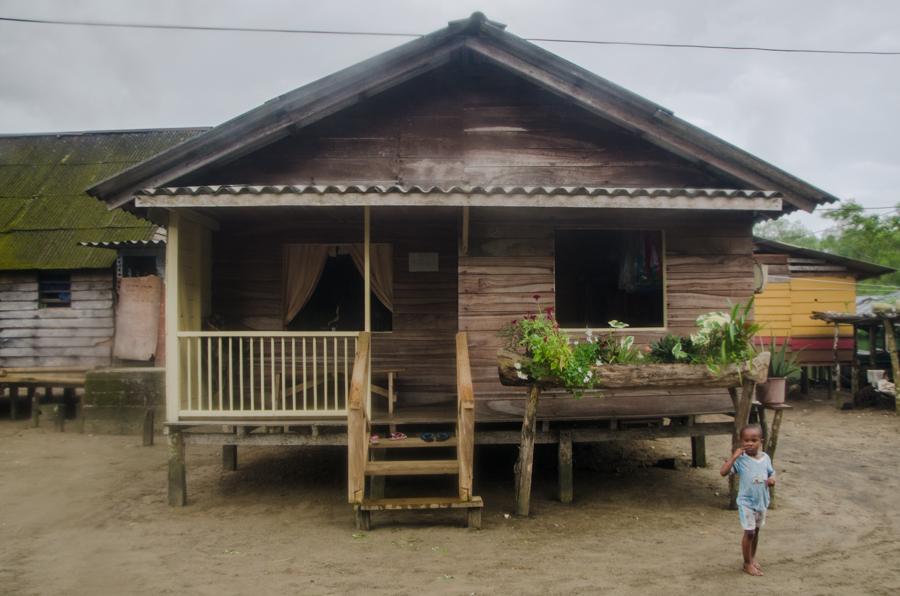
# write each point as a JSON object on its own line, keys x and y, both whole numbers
{"x": 362, "y": 464}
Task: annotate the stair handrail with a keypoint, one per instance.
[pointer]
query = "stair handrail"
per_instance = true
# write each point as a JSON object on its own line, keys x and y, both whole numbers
{"x": 465, "y": 412}
{"x": 358, "y": 424}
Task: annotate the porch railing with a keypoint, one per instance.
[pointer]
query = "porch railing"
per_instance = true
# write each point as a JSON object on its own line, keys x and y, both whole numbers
{"x": 265, "y": 374}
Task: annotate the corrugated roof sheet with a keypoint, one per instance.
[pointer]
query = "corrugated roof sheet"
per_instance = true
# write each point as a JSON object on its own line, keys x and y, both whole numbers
{"x": 45, "y": 213}
{"x": 468, "y": 190}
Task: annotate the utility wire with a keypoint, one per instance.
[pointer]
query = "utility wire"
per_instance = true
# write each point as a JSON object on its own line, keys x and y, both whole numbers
{"x": 400, "y": 34}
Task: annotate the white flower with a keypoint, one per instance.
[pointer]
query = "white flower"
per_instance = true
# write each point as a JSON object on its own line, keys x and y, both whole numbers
{"x": 521, "y": 375}
{"x": 518, "y": 365}
{"x": 599, "y": 362}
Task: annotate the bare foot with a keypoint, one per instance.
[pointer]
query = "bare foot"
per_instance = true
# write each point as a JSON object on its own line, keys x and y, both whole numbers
{"x": 756, "y": 564}
{"x": 749, "y": 569}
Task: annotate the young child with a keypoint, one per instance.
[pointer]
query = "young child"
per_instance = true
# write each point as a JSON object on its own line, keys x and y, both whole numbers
{"x": 754, "y": 468}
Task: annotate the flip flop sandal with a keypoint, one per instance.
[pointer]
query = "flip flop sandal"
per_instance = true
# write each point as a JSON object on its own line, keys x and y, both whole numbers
{"x": 396, "y": 436}
{"x": 374, "y": 439}
{"x": 427, "y": 437}
{"x": 441, "y": 436}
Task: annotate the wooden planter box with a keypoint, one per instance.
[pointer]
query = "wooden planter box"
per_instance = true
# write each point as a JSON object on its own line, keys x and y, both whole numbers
{"x": 621, "y": 376}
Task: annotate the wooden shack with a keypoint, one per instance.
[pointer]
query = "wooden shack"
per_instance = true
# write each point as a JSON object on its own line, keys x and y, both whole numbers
{"x": 57, "y": 244}
{"x": 801, "y": 281}
{"x": 408, "y": 207}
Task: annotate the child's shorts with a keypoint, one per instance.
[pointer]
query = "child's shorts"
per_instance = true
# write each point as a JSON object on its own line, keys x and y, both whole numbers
{"x": 750, "y": 518}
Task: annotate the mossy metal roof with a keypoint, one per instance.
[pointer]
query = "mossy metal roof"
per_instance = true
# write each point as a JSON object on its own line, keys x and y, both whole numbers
{"x": 44, "y": 211}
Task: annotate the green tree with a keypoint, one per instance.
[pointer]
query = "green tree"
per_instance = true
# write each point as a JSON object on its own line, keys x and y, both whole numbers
{"x": 868, "y": 237}
{"x": 855, "y": 234}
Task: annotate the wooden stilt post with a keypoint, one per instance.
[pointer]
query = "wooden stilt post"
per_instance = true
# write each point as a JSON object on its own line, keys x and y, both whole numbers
{"x": 13, "y": 402}
{"x": 229, "y": 458}
{"x": 698, "y": 447}
{"x": 177, "y": 471}
{"x": 804, "y": 380}
{"x": 838, "y": 401}
{"x": 35, "y": 407}
{"x": 59, "y": 418}
{"x": 772, "y": 445}
{"x": 147, "y": 427}
{"x": 566, "y": 471}
{"x": 872, "y": 345}
{"x": 890, "y": 344}
{"x": 526, "y": 453}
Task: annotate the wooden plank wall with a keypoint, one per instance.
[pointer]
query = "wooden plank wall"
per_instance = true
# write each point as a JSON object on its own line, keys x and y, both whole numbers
{"x": 708, "y": 267}
{"x": 80, "y": 335}
{"x": 247, "y": 283}
{"x": 480, "y": 127}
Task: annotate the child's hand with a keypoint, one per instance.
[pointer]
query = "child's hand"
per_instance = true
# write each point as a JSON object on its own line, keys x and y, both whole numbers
{"x": 770, "y": 481}
{"x": 737, "y": 453}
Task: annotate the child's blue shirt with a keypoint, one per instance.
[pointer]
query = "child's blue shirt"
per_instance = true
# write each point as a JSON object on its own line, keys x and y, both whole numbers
{"x": 753, "y": 492}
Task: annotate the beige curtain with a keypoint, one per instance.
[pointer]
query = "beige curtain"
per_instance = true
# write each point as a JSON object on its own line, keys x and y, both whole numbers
{"x": 303, "y": 265}
{"x": 382, "y": 268}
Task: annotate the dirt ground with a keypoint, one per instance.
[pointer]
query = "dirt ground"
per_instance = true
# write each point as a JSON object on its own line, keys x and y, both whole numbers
{"x": 82, "y": 514}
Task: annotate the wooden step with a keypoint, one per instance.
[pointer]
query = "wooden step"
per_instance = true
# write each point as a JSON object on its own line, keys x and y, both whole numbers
{"x": 411, "y": 442}
{"x": 419, "y": 503}
{"x": 417, "y": 467}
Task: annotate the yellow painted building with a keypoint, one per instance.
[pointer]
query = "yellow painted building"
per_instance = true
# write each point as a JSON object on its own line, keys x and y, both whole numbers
{"x": 800, "y": 281}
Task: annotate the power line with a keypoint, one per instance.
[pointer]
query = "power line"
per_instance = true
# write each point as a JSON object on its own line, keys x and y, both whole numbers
{"x": 401, "y": 34}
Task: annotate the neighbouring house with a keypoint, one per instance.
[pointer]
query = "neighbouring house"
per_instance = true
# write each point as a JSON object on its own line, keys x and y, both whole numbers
{"x": 58, "y": 263}
{"x": 405, "y": 209}
{"x": 801, "y": 281}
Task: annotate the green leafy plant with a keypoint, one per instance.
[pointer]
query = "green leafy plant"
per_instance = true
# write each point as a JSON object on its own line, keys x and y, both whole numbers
{"x": 671, "y": 349}
{"x": 725, "y": 338}
{"x": 782, "y": 364}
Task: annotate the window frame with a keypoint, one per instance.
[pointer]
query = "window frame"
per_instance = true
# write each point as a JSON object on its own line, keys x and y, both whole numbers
{"x": 665, "y": 282}
{"x": 42, "y": 293}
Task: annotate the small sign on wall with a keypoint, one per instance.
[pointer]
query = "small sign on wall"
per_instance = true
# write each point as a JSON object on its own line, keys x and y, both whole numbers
{"x": 420, "y": 262}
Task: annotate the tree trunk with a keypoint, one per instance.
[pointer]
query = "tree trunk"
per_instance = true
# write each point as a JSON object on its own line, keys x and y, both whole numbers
{"x": 526, "y": 453}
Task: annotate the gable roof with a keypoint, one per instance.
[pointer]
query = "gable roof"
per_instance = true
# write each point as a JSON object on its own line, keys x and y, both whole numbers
{"x": 44, "y": 212}
{"x": 490, "y": 42}
{"x": 859, "y": 269}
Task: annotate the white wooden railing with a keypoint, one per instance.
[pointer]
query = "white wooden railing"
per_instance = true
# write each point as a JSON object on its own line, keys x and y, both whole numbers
{"x": 233, "y": 374}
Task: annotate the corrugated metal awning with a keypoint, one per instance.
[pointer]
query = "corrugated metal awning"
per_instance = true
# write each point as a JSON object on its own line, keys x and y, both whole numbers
{"x": 482, "y": 196}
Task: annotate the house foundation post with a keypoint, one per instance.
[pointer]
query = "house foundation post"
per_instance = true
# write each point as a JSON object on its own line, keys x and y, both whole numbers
{"x": 177, "y": 471}
{"x": 229, "y": 458}
{"x": 525, "y": 464}
{"x": 566, "y": 468}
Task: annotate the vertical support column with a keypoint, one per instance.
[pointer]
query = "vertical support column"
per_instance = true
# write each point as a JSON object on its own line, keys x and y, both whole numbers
{"x": 872, "y": 345}
{"x": 35, "y": 407}
{"x": 13, "y": 401}
{"x": 804, "y": 380}
{"x": 890, "y": 344}
{"x": 854, "y": 364}
{"x": 838, "y": 401}
{"x": 147, "y": 427}
{"x": 566, "y": 471}
{"x": 173, "y": 314}
{"x": 525, "y": 464}
{"x": 698, "y": 447}
{"x": 367, "y": 267}
{"x": 177, "y": 470}
{"x": 229, "y": 458}
{"x": 772, "y": 445}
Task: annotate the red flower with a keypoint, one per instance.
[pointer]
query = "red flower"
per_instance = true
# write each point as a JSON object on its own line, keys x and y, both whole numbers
{"x": 549, "y": 311}
{"x": 536, "y": 297}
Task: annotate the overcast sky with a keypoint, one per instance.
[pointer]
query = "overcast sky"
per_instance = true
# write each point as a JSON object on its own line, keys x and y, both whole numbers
{"x": 831, "y": 120}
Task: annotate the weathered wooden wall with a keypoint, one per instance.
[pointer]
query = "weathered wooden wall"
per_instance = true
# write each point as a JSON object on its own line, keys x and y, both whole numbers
{"x": 247, "y": 283}
{"x": 481, "y": 127}
{"x": 79, "y": 335}
{"x": 708, "y": 264}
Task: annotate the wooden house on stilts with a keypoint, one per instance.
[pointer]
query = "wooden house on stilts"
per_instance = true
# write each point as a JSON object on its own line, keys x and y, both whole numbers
{"x": 342, "y": 257}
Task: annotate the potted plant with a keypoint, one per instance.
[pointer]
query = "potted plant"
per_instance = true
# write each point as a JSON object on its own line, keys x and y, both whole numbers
{"x": 782, "y": 365}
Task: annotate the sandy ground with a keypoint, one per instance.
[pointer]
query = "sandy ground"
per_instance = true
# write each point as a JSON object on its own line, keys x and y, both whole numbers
{"x": 83, "y": 514}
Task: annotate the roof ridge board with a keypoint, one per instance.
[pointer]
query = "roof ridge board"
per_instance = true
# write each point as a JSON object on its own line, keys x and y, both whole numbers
{"x": 301, "y": 97}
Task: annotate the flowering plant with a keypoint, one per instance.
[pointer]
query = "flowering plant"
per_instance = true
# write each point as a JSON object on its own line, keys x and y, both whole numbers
{"x": 725, "y": 338}
{"x": 553, "y": 354}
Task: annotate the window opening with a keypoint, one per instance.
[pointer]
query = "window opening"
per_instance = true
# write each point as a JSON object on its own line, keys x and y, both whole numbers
{"x": 54, "y": 289}
{"x": 604, "y": 275}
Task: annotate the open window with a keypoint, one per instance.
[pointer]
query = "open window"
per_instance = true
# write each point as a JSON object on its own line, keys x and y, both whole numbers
{"x": 324, "y": 287}
{"x": 54, "y": 289}
{"x": 604, "y": 275}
